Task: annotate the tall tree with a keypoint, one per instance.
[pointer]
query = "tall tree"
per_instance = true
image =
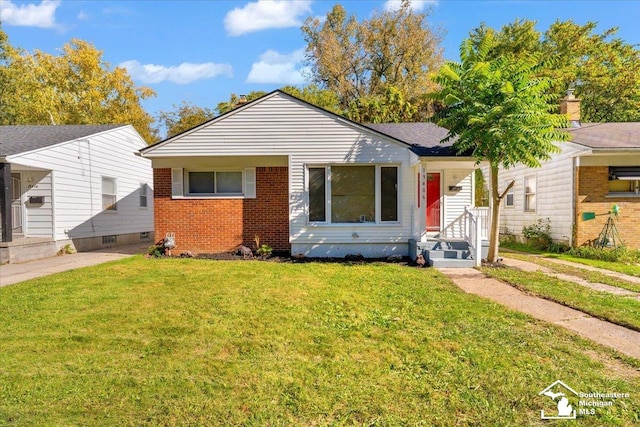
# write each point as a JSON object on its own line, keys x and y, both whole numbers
{"x": 76, "y": 87}
{"x": 604, "y": 69}
{"x": 322, "y": 98}
{"x": 236, "y": 101}
{"x": 500, "y": 112}
{"x": 183, "y": 117}
{"x": 389, "y": 107}
{"x": 364, "y": 59}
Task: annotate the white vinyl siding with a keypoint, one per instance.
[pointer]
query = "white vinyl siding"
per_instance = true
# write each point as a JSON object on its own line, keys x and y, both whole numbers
{"x": 38, "y": 217}
{"x": 554, "y": 187}
{"x": 76, "y": 197}
{"x": 458, "y": 193}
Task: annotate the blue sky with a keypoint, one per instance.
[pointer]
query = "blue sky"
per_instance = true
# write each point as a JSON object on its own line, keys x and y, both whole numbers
{"x": 202, "y": 51}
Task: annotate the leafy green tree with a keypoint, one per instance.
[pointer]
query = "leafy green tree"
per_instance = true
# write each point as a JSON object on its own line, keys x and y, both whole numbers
{"x": 604, "y": 69}
{"x": 322, "y": 98}
{"x": 498, "y": 111}
{"x": 361, "y": 61}
{"x": 183, "y": 117}
{"x": 390, "y": 107}
{"x": 76, "y": 87}
{"x": 236, "y": 101}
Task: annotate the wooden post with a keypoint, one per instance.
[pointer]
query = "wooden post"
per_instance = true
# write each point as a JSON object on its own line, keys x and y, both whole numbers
{"x": 5, "y": 202}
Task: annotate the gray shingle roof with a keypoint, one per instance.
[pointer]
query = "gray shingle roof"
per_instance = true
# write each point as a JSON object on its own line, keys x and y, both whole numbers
{"x": 424, "y": 138}
{"x": 607, "y": 135}
{"x": 23, "y": 138}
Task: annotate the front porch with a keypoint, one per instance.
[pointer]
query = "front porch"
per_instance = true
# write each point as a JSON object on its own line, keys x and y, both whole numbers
{"x": 462, "y": 243}
{"x": 22, "y": 249}
{"x": 26, "y": 203}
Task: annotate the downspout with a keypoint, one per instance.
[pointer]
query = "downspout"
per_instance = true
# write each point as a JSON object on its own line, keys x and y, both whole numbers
{"x": 54, "y": 231}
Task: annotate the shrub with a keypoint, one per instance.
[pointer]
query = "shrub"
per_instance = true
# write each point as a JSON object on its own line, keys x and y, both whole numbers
{"x": 538, "y": 235}
{"x": 264, "y": 251}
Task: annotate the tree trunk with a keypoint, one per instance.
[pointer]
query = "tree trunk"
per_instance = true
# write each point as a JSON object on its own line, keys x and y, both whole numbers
{"x": 496, "y": 200}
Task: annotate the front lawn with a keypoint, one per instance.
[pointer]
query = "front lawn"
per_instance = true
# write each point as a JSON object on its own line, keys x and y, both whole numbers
{"x": 193, "y": 342}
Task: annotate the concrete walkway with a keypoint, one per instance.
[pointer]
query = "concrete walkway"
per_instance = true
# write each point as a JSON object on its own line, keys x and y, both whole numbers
{"x": 15, "y": 273}
{"x": 531, "y": 266}
{"x": 609, "y": 273}
{"x": 472, "y": 281}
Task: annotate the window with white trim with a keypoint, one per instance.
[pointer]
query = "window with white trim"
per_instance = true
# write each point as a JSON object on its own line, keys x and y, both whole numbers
{"x": 343, "y": 194}
{"x": 143, "y": 196}
{"x": 510, "y": 197}
{"x": 109, "y": 194}
{"x": 207, "y": 183}
{"x": 530, "y": 193}
{"x": 211, "y": 183}
{"x": 624, "y": 180}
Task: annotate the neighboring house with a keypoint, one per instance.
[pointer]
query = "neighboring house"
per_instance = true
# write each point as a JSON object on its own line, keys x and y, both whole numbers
{"x": 78, "y": 185}
{"x": 306, "y": 181}
{"x": 600, "y": 167}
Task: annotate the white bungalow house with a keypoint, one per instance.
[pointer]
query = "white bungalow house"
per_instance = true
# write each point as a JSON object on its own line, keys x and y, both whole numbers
{"x": 77, "y": 185}
{"x": 310, "y": 182}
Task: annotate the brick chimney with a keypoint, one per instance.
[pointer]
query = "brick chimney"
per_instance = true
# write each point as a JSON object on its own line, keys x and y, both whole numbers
{"x": 570, "y": 105}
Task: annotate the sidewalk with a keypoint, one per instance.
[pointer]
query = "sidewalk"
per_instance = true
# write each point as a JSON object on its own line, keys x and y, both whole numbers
{"x": 472, "y": 281}
{"x": 15, "y": 273}
{"x": 532, "y": 267}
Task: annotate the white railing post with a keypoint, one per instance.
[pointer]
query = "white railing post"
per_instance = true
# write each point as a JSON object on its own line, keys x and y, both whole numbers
{"x": 478, "y": 242}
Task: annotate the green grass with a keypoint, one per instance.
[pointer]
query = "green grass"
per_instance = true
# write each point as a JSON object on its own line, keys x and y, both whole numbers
{"x": 622, "y": 310}
{"x": 620, "y": 267}
{"x": 590, "y": 276}
{"x": 192, "y": 342}
{"x": 631, "y": 270}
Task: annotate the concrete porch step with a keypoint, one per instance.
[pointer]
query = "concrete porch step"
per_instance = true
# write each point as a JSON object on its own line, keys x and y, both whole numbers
{"x": 451, "y": 262}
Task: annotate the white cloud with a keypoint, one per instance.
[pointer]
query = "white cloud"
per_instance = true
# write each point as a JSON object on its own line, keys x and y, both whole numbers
{"x": 416, "y": 5}
{"x": 29, "y": 15}
{"x": 265, "y": 14}
{"x": 83, "y": 16}
{"x": 277, "y": 68}
{"x": 182, "y": 74}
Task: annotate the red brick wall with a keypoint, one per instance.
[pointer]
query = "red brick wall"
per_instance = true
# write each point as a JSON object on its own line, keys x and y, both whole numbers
{"x": 220, "y": 225}
{"x": 593, "y": 186}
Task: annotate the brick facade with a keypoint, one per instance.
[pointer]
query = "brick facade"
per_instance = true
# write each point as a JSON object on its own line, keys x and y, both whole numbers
{"x": 220, "y": 225}
{"x": 592, "y": 189}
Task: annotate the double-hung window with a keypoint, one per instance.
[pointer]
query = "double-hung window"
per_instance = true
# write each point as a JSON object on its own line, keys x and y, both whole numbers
{"x": 211, "y": 183}
{"x": 341, "y": 194}
{"x": 509, "y": 199}
{"x": 143, "y": 196}
{"x": 530, "y": 193}
{"x": 109, "y": 194}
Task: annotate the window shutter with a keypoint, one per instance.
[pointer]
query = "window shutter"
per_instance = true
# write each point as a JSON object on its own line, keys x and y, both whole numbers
{"x": 250, "y": 183}
{"x": 177, "y": 186}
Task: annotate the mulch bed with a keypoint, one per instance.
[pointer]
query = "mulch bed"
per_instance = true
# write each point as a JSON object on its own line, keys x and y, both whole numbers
{"x": 286, "y": 257}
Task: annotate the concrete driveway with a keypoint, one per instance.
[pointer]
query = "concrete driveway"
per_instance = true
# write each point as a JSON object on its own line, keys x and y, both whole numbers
{"x": 15, "y": 273}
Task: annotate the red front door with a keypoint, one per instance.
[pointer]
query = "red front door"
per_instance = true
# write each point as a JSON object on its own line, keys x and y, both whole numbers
{"x": 433, "y": 201}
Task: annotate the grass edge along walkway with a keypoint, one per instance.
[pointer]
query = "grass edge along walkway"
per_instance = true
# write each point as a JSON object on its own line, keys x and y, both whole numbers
{"x": 621, "y": 339}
